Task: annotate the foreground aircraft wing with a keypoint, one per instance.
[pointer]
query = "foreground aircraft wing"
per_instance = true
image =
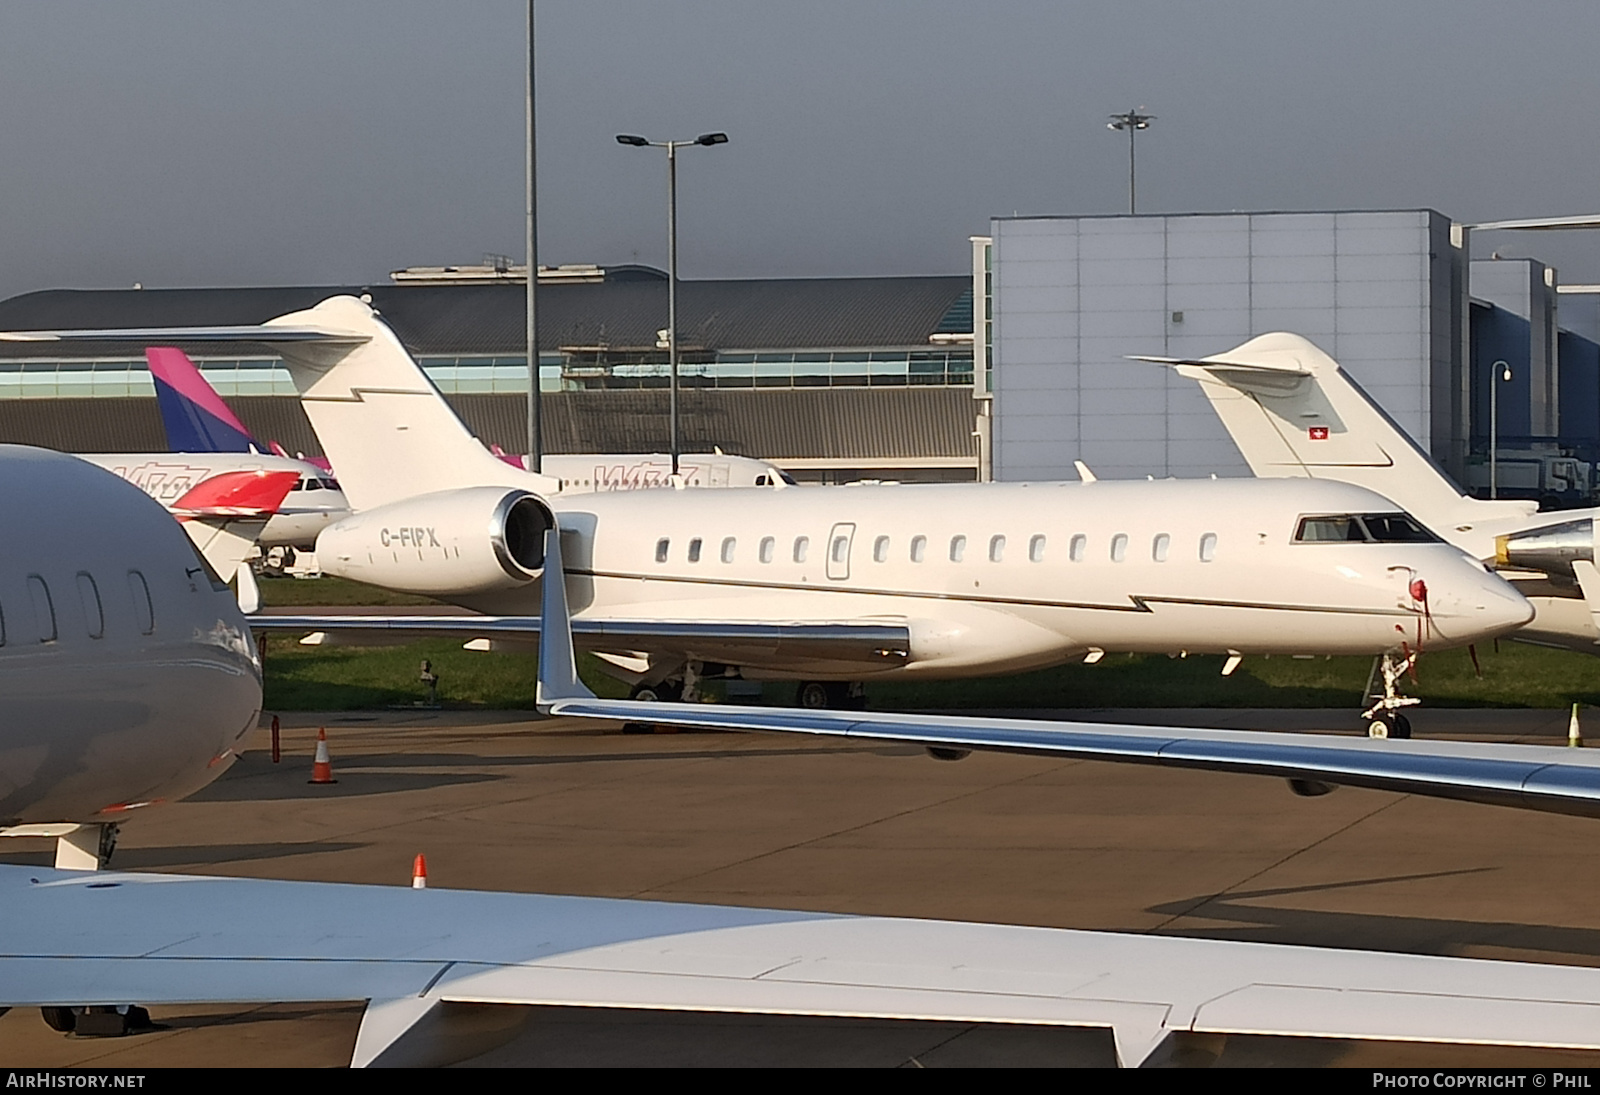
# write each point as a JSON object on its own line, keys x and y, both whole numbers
{"x": 439, "y": 967}
{"x": 1534, "y": 777}
{"x": 867, "y": 644}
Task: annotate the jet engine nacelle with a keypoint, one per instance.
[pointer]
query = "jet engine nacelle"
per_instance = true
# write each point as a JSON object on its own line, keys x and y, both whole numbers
{"x": 1550, "y": 548}
{"x": 474, "y": 540}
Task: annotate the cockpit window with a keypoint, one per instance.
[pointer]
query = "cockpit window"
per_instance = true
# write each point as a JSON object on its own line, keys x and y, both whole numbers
{"x": 1368, "y": 528}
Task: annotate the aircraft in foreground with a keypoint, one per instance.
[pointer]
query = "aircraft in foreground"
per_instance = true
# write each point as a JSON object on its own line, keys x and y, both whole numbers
{"x": 128, "y": 671}
{"x": 832, "y": 586}
{"x": 1294, "y": 413}
{"x": 130, "y": 679}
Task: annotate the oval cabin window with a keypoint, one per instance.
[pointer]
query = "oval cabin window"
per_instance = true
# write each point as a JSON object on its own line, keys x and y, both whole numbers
{"x": 1036, "y": 550}
{"x": 1160, "y": 546}
{"x": 802, "y": 544}
{"x": 143, "y": 607}
{"x": 1119, "y": 547}
{"x": 44, "y": 610}
{"x": 1078, "y": 548}
{"x": 94, "y": 618}
{"x": 880, "y": 550}
{"x": 919, "y": 548}
{"x": 765, "y": 551}
{"x": 958, "y": 548}
{"x": 997, "y": 548}
{"x": 1208, "y": 547}
{"x": 728, "y": 545}
{"x": 694, "y": 550}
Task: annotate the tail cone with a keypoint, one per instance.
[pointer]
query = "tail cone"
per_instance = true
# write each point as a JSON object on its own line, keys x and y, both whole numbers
{"x": 321, "y": 766}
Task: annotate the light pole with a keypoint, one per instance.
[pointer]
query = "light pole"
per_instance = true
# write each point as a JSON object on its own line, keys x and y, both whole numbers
{"x": 1132, "y": 121}
{"x": 706, "y": 139}
{"x": 1497, "y": 372}
{"x": 531, "y": 163}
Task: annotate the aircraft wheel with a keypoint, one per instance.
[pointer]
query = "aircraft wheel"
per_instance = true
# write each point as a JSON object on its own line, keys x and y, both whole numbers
{"x": 1378, "y": 727}
{"x": 62, "y": 1019}
{"x": 1401, "y": 728}
{"x": 824, "y": 695}
{"x": 665, "y": 692}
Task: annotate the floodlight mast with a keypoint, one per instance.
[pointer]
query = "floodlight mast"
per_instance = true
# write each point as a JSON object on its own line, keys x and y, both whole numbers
{"x": 1132, "y": 121}
{"x": 535, "y": 461}
{"x": 706, "y": 140}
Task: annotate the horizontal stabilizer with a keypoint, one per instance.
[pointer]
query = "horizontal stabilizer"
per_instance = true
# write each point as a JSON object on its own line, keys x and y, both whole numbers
{"x": 237, "y": 494}
{"x": 154, "y": 335}
{"x": 1285, "y": 367}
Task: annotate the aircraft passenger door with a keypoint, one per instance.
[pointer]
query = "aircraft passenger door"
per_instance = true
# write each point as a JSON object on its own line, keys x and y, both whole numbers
{"x": 839, "y": 551}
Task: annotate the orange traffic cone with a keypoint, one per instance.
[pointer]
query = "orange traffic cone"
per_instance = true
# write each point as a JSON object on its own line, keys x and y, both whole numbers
{"x": 419, "y": 873}
{"x": 321, "y": 766}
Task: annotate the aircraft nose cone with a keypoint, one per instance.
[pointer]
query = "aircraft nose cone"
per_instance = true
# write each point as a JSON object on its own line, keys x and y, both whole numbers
{"x": 1473, "y": 604}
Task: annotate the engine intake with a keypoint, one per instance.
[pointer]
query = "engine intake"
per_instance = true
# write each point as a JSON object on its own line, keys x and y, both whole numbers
{"x": 474, "y": 540}
{"x": 517, "y": 532}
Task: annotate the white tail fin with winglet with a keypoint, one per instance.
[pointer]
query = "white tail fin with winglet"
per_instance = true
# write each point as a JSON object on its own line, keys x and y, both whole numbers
{"x": 1294, "y": 413}
{"x": 380, "y": 420}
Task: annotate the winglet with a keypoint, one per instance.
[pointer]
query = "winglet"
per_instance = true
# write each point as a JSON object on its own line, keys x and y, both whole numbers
{"x": 558, "y": 667}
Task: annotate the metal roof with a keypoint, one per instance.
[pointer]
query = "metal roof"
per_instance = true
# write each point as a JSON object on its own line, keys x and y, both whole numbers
{"x": 874, "y": 425}
{"x": 619, "y": 313}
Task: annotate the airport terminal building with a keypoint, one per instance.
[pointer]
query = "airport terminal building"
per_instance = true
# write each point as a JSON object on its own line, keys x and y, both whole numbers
{"x": 1011, "y": 372}
{"x": 835, "y": 378}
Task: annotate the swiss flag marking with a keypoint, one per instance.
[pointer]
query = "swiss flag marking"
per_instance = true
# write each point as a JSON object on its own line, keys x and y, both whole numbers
{"x": 1319, "y": 433}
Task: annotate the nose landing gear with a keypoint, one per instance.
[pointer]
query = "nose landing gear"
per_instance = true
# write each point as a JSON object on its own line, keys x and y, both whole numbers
{"x": 1384, "y": 719}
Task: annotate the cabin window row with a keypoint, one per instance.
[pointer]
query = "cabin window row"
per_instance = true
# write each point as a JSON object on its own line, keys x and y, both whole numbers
{"x": 46, "y": 627}
{"x": 1077, "y": 548}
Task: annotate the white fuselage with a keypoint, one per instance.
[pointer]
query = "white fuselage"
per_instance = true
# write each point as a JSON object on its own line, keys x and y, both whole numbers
{"x": 128, "y": 675}
{"x": 993, "y": 578}
{"x": 313, "y": 504}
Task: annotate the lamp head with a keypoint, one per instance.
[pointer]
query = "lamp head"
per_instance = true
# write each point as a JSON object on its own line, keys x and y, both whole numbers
{"x": 630, "y": 139}
{"x": 709, "y": 139}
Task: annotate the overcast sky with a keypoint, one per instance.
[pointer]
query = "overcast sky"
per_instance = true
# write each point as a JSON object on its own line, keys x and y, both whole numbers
{"x": 205, "y": 142}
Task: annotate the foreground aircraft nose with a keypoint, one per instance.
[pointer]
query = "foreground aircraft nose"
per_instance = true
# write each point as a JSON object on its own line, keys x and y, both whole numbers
{"x": 1469, "y": 604}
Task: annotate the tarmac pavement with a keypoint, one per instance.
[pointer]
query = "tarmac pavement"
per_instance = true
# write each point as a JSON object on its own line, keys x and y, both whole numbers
{"x": 499, "y": 801}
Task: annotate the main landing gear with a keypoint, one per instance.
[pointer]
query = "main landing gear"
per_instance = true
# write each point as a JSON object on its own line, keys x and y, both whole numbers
{"x": 831, "y": 695}
{"x": 1384, "y": 718}
{"x": 98, "y": 1022}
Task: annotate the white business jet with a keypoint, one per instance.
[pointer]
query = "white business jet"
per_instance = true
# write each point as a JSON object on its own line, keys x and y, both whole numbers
{"x": 129, "y": 678}
{"x": 1294, "y": 413}
{"x": 831, "y": 586}
{"x": 128, "y": 672}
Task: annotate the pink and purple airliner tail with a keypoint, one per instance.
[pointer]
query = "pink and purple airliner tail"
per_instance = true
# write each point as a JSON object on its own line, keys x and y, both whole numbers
{"x": 195, "y": 417}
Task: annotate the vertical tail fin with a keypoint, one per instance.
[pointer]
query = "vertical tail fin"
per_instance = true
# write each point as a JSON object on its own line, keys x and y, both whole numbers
{"x": 380, "y": 420}
{"x": 1294, "y": 413}
{"x": 195, "y": 417}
